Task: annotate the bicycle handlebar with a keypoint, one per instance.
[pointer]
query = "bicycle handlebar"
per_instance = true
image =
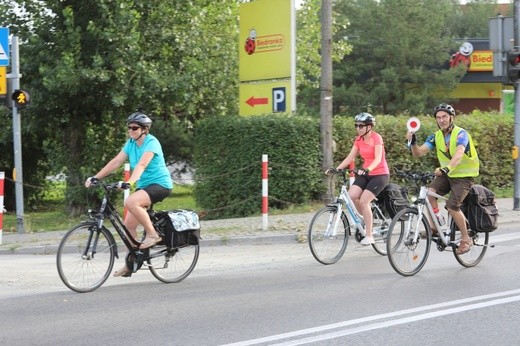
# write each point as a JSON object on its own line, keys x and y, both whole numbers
{"x": 342, "y": 172}
{"x": 110, "y": 186}
{"x": 424, "y": 177}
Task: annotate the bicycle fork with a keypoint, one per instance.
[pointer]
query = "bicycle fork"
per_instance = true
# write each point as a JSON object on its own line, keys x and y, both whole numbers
{"x": 412, "y": 229}
{"x": 91, "y": 245}
{"x": 333, "y": 224}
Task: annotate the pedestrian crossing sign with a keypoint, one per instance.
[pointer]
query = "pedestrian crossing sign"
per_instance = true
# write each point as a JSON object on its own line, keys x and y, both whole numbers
{"x": 4, "y": 46}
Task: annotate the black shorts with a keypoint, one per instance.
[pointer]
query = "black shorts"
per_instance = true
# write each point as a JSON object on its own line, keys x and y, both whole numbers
{"x": 372, "y": 183}
{"x": 156, "y": 192}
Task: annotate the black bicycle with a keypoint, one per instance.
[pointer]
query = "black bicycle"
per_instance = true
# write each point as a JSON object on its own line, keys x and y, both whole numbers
{"x": 86, "y": 253}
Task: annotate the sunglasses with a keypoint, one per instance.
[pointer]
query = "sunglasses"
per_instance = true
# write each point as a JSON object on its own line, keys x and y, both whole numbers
{"x": 134, "y": 128}
{"x": 359, "y": 126}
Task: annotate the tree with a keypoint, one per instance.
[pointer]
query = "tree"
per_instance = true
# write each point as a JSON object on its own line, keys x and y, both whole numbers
{"x": 90, "y": 63}
{"x": 397, "y": 64}
{"x": 308, "y": 43}
{"x": 472, "y": 19}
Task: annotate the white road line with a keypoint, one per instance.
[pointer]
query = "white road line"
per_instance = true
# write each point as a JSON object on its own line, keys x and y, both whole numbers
{"x": 494, "y": 299}
{"x": 403, "y": 320}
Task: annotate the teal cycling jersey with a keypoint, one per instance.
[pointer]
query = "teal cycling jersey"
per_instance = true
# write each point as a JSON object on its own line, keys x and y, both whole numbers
{"x": 156, "y": 172}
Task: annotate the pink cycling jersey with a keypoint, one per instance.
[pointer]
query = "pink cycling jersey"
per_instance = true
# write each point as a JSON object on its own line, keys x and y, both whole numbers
{"x": 367, "y": 151}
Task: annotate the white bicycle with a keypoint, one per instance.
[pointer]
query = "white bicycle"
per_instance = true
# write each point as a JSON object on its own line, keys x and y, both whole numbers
{"x": 410, "y": 237}
{"x": 332, "y": 225}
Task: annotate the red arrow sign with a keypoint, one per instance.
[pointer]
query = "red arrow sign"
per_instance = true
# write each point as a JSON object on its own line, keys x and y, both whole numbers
{"x": 258, "y": 101}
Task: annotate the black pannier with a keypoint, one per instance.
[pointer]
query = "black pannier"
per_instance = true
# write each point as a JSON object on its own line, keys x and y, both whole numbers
{"x": 179, "y": 228}
{"x": 392, "y": 199}
{"x": 480, "y": 209}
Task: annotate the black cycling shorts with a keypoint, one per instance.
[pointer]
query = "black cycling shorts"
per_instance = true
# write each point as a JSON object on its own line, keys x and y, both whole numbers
{"x": 156, "y": 192}
{"x": 372, "y": 183}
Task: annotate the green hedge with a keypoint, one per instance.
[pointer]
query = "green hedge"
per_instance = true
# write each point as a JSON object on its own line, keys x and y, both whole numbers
{"x": 491, "y": 132}
{"x": 228, "y": 153}
{"x": 228, "y": 156}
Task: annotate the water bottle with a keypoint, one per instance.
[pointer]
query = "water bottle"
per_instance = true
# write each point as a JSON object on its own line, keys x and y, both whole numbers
{"x": 440, "y": 217}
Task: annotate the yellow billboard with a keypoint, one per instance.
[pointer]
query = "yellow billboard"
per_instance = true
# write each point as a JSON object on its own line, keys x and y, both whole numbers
{"x": 481, "y": 60}
{"x": 265, "y": 40}
{"x": 265, "y": 97}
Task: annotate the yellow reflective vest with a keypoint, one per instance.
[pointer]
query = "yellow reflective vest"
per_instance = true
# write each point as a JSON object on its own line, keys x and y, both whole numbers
{"x": 468, "y": 166}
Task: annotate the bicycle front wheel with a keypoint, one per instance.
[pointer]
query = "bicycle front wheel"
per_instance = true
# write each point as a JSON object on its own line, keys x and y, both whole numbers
{"x": 85, "y": 257}
{"x": 408, "y": 242}
{"x": 173, "y": 264}
{"x": 479, "y": 245}
{"x": 327, "y": 243}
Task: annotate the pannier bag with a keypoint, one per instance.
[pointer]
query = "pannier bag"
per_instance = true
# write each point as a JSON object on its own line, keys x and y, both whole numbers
{"x": 392, "y": 199}
{"x": 182, "y": 228}
{"x": 480, "y": 209}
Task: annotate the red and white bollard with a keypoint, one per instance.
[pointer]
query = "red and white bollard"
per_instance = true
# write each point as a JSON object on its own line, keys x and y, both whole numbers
{"x": 265, "y": 196}
{"x": 126, "y": 176}
{"x": 2, "y": 177}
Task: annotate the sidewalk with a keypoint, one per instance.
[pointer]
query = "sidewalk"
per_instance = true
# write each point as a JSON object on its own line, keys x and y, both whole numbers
{"x": 282, "y": 228}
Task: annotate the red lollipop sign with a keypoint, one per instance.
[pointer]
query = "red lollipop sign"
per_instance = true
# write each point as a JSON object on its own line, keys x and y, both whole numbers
{"x": 413, "y": 124}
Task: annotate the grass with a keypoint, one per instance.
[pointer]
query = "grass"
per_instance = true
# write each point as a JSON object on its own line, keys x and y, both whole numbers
{"x": 53, "y": 218}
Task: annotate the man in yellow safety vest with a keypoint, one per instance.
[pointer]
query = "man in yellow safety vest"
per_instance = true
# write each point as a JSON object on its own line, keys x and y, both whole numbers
{"x": 459, "y": 165}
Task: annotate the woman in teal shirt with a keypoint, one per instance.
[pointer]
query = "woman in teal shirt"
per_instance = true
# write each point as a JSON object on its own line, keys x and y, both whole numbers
{"x": 149, "y": 174}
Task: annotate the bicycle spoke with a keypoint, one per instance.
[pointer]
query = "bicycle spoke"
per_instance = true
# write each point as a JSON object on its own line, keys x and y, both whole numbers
{"x": 173, "y": 265}
{"x": 328, "y": 235}
{"x": 408, "y": 243}
{"x": 83, "y": 264}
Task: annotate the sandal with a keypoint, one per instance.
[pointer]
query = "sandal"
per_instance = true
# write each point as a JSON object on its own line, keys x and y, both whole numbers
{"x": 463, "y": 247}
{"x": 149, "y": 241}
{"x": 124, "y": 272}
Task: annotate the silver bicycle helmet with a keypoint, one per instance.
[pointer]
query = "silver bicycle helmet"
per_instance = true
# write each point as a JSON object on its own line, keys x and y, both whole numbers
{"x": 444, "y": 107}
{"x": 365, "y": 118}
{"x": 139, "y": 118}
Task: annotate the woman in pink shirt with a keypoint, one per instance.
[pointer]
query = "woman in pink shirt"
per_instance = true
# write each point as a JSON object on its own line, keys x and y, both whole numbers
{"x": 374, "y": 176}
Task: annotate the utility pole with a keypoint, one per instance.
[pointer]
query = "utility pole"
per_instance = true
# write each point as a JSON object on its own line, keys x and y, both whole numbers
{"x": 326, "y": 92}
{"x": 14, "y": 81}
{"x": 516, "y": 199}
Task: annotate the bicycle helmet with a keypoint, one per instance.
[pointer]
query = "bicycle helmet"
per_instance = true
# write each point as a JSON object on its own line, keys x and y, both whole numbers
{"x": 365, "y": 118}
{"x": 139, "y": 118}
{"x": 444, "y": 107}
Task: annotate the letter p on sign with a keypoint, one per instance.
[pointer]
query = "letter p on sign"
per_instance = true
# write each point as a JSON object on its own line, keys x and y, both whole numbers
{"x": 279, "y": 104}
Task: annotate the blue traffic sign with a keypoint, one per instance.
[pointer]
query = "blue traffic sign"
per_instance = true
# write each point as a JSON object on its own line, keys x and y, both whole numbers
{"x": 4, "y": 46}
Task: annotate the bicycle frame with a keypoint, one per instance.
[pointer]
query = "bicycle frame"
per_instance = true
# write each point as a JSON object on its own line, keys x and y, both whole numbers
{"x": 353, "y": 214}
{"x": 107, "y": 210}
{"x": 423, "y": 201}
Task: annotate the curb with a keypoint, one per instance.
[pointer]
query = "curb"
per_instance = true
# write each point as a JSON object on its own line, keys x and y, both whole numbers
{"x": 51, "y": 249}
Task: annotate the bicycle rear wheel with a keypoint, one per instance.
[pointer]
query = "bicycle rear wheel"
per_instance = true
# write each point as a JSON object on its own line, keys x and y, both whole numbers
{"x": 380, "y": 228}
{"x": 85, "y": 257}
{"x": 408, "y": 242}
{"x": 476, "y": 252}
{"x": 173, "y": 264}
{"x": 328, "y": 245}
